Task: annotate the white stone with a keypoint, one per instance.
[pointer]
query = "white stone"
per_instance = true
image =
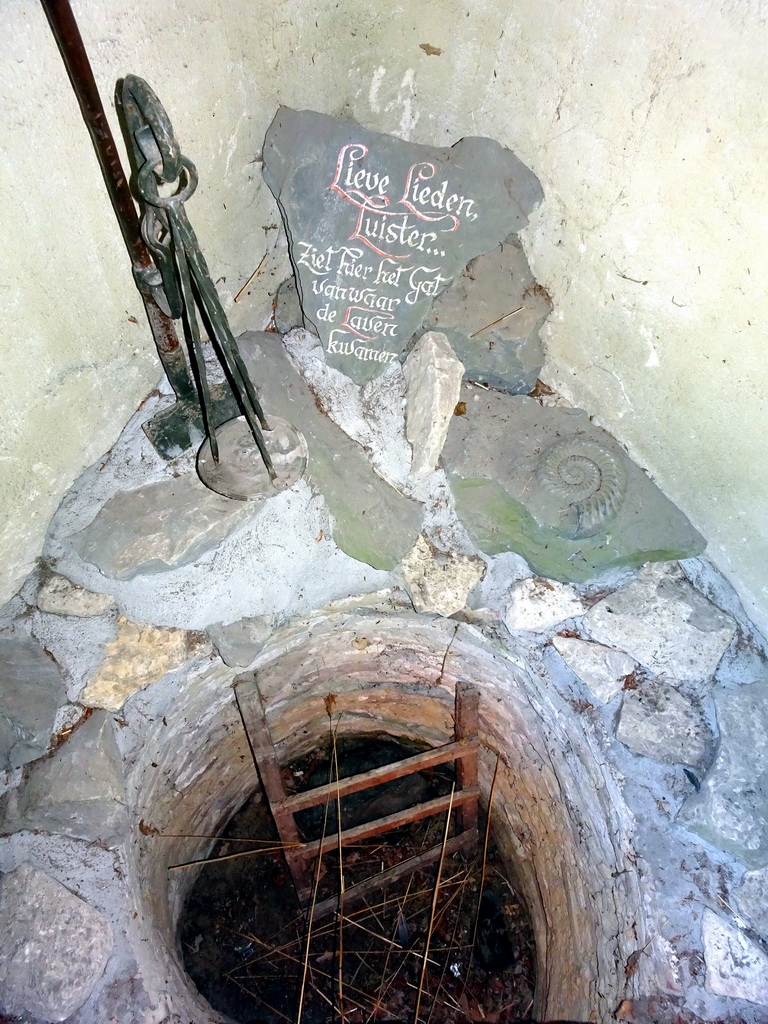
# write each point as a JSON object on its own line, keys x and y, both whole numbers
{"x": 440, "y": 581}
{"x": 601, "y": 669}
{"x": 140, "y": 655}
{"x": 666, "y": 625}
{"x": 539, "y": 605}
{"x": 656, "y": 721}
{"x": 735, "y": 966}
{"x": 751, "y": 898}
{"x": 53, "y": 946}
{"x": 60, "y": 597}
{"x": 238, "y": 643}
{"x": 731, "y": 809}
{"x": 433, "y": 374}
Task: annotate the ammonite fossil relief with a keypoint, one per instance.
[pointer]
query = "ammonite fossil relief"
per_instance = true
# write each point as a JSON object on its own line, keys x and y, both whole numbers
{"x": 588, "y": 481}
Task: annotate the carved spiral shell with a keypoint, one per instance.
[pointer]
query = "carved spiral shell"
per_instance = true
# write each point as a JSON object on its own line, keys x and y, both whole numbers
{"x": 588, "y": 478}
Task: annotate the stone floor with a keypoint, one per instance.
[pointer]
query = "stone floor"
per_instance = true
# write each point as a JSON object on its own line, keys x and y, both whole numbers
{"x": 633, "y": 693}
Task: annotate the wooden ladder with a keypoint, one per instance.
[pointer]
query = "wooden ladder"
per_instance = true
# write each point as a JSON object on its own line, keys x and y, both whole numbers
{"x": 300, "y": 856}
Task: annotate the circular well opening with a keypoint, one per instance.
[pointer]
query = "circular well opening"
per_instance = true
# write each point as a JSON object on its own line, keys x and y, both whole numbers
{"x": 558, "y": 817}
{"x": 245, "y": 940}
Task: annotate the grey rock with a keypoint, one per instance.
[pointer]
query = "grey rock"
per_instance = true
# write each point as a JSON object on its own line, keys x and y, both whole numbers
{"x": 736, "y": 967}
{"x": 287, "y": 307}
{"x": 601, "y": 669}
{"x": 238, "y": 643}
{"x": 751, "y": 900}
{"x": 159, "y": 527}
{"x": 551, "y": 486}
{"x": 656, "y": 721}
{"x": 53, "y": 946}
{"x": 731, "y": 810}
{"x": 78, "y": 644}
{"x": 59, "y": 596}
{"x": 492, "y": 314}
{"x": 377, "y": 227}
{"x": 538, "y": 605}
{"x": 439, "y": 581}
{"x": 433, "y": 374}
{"x": 78, "y": 791}
{"x": 666, "y": 625}
{"x": 31, "y": 691}
{"x": 372, "y": 521}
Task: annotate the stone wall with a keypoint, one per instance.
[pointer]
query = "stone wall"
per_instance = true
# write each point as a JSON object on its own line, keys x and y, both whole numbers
{"x": 627, "y": 712}
{"x": 641, "y": 124}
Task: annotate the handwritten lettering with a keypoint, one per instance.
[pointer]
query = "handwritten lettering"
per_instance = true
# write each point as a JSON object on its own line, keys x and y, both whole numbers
{"x": 417, "y": 195}
{"x": 318, "y": 262}
{"x": 394, "y": 256}
{"x": 369, "y": 325}
{"x": 340, "y": 343}
{"x": 349, "y": 180}
{"x": 424, "y": 283}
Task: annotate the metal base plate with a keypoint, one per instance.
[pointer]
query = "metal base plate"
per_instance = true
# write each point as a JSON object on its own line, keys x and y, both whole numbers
{"x": 240, "y": 472}
{"x": 180, "y": 426}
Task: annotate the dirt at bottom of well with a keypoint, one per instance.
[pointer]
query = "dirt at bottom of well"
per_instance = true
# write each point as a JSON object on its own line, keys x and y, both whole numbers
{"x": 247, "y": 946}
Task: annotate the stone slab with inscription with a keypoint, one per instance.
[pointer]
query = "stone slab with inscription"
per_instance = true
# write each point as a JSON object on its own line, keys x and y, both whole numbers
{"x": 378, "y": 227}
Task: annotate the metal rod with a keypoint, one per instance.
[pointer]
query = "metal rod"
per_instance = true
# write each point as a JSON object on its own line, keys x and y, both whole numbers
{"x": 69, "y": 41}
{"x": 193, "y": 335}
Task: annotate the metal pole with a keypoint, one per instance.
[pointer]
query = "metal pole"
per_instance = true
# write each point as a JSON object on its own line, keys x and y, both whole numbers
{"x": 70, "y": 44}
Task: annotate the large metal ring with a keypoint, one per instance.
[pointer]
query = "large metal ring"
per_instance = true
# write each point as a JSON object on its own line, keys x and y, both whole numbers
{"x": 146, "y": 183}
{"x": 142, "y": 110}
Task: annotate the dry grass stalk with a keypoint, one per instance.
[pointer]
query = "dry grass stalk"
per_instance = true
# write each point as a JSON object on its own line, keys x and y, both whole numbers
{"x": 230, "y": 856}
{"x": 340, "y": 913}
{"x": 432, "y": 910}
{"x": 255, "y": 995}
{"x": 254, "y": 274}
{"x": 330, "y": 700}
{"x": 452, "y": 948}
{"x": 295, "y": 960}
{"x": 482, "y": 874}
{"x": 493, "y": 323}
{"x": 228, "y": 839}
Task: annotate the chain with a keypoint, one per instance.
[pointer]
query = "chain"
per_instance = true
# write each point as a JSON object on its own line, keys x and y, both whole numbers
{"x": 180, "y": 281}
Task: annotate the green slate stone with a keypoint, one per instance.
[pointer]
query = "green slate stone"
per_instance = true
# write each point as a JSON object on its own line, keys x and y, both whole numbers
{"x": 78, "y": 791}
{"x": 548, "y": 485}
{"x": 373, "y": 522}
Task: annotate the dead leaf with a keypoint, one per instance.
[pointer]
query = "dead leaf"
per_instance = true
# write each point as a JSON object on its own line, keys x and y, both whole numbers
{"x": 629, "y": 682}
{"x": 431, "y": 51}
{"x": 460, "y": 410}
{"x": 633, "y": 962}
{"x": 320, "y": 536}
{"x": 540, "y": 390}
{"x": 330, "y": 703}
{"x": 148, "y": 830}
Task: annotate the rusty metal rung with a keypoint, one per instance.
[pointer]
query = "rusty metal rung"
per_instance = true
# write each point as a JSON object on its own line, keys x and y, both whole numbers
{"x": 387, "y": 823}
{"x": 377, "y": 776}
{"x": 463, "y": 750}
{"x": 404, "y": 868}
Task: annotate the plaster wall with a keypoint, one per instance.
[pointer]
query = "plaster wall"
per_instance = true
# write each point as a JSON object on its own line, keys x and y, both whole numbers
{"x": 645, "y": 124}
